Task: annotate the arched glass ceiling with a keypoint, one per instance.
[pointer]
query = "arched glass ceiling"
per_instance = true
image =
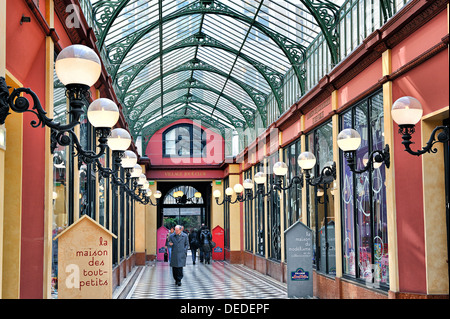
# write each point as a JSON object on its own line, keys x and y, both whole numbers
{"x": 210, "y": 60}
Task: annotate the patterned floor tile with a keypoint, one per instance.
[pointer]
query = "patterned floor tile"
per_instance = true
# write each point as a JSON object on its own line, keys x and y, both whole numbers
{"x": 218, "y": 280}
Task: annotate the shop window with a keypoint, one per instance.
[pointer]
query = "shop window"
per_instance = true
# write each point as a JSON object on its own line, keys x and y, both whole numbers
{"x": 363, "y": 204}
{"x": 60, "y": 180}
{"x": 259, "y": 217}
{"x": 248, "y": 206}
{"x": 184, "y": 140}
{"x": 273, "y": 207}
{"x": 320, "y": 201}
{"x": 292, "y": 196}
{"x": 226, "y": 215}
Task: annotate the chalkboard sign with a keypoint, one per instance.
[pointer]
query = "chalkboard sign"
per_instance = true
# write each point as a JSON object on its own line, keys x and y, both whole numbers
{"x": 299, "y": 257}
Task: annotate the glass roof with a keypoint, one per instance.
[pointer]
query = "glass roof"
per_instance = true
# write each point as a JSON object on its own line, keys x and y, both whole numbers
{"x": 209, "y": 60}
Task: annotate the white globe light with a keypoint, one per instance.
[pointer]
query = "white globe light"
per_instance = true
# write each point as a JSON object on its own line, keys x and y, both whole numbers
{"x": 216, "y": 193}
{"x": 198, "y": 195}
{"x": 78, "y": 64}
{"x": 148, "y": 192}
{"x": 158, "y": 194}
{"x": 229, "y": 191}
{"x": 129, "y": 159}
{"x": 365, "y": 160}
{"x": 238, "y": 188}
{"x": 280, "y": 169}
{"x": 320, "y": 192}
{"x": 142, "y": 179}
{"x": 306, "y": 160}
{"x": 119, "y": 139}
{"x": 137, "y": 171}
{"x": 248, "y": 184}
{"x": 406, "y": 111}
{"x": 348, "y": 140}
{"x": 103, "y": 113}
{"x": 260, "y": 178}
{"x": 146, "y": 185}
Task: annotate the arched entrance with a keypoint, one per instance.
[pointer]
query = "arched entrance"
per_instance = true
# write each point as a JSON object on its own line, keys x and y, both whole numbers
{"x": 187, "y": 210}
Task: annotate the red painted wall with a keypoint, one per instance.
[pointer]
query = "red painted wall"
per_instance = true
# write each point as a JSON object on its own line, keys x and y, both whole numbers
{"x": 215, "y": 149}
{"x": 360, "y": 83}
{"x": 25, "y": 59}
{"x": 420, "y": 83}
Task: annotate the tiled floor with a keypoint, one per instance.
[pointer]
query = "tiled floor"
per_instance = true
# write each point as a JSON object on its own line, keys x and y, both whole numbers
{"x": 218, "y": 280}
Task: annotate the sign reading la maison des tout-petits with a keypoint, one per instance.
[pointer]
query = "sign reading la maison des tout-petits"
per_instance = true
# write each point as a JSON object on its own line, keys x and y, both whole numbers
{"x": 85, "y": 261}
{"x": 299, "y": 257}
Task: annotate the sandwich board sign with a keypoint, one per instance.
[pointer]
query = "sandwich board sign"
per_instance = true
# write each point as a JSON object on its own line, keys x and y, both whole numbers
{"x": 85, "y": 261}
{"x": 299, "y": 257}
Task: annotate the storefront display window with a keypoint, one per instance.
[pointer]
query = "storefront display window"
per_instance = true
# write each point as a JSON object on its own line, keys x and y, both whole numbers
{"x": 273, "y": 212}
{"x": 259, "y": 216}
{"x": 60, "y": 178}
{"x": 248, "y": 217}
{"x": 292, "y": 196}
{"x": 320, "y": 201}
{"x": 226, "y": 215}
{"x": 364, "y": 217}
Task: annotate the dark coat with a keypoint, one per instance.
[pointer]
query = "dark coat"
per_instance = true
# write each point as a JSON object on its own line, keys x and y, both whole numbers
{"x": 193, "y": 240}
{"x": 205, "y": 239}
{"x": 179, "y": 249}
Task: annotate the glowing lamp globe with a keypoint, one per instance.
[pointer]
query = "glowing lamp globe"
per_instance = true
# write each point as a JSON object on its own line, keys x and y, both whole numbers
{"x": 119, "y": 139}
{"x": 248, "y": 184}
{"x": 78, "y": 64}
{"x": 142, "y": 179}
{"x": 129, "y": 159}
{"x": 137, "y": 171}
{"x": 103, "y": 113}
{"x": 306, "y": 160}
{"x": 238, "y": 188}
{"x": 349, "y": 140}
{"x": 280, "y": 169}
{"x": 406, "y": 111}
{"x": 260, "y": 178}
{"x": 158, "y": 194}
{"x": 229, "y": 191}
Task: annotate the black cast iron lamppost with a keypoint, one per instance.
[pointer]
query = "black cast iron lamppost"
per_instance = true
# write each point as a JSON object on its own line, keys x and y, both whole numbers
{"x": 407, "y": 112}
{"x": 78, "y": 68}
{"x": 307, "y": 161}
{"x": 349, "y": 141}
{"x": 182, "y": 198}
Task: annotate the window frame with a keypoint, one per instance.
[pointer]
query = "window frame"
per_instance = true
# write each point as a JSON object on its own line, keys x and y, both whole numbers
{"x": 190, "y": 128}
{"x": 354, "y": 195}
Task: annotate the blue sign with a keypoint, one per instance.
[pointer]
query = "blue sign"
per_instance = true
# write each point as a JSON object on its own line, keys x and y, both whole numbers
{"x": 218, "y": 249}
{"x": 299, "y": 275}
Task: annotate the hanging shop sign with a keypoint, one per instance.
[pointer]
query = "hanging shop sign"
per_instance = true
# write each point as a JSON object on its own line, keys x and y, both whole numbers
{"x": 85, "y": 261}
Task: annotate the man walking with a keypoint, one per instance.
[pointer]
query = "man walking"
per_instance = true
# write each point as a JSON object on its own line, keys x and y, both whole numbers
{"x": 180, "y": 244}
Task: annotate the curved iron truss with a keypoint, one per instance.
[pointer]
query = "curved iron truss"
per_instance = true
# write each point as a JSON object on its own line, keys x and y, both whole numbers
{"x": 215, "y": 61}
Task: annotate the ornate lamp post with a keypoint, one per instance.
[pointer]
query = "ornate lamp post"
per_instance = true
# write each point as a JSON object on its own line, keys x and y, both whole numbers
{"x": 407, "y": 112}
{"x": 349, "y": 141}
{"x": 78, "y": 68}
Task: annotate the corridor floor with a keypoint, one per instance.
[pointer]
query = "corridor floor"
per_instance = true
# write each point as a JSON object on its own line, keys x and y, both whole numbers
{"x": 218, "y": 280}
